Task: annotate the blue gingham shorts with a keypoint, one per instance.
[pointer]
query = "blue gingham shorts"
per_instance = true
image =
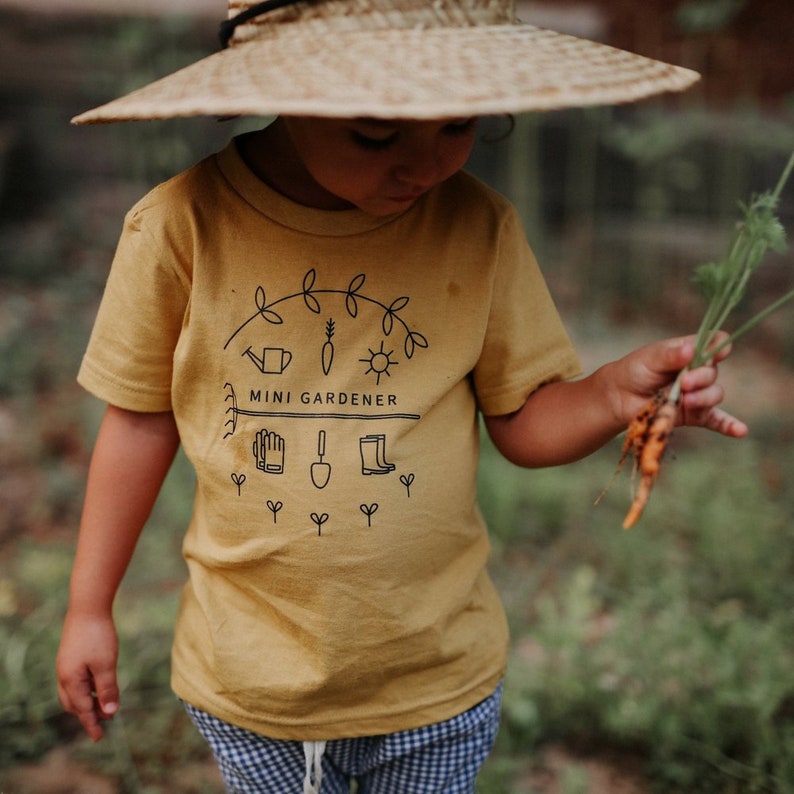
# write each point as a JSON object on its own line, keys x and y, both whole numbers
{"x": 443, "y": 758}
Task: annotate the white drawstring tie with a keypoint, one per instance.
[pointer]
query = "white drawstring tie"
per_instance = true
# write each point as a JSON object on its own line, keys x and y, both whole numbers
{"x": 313, "y": 752}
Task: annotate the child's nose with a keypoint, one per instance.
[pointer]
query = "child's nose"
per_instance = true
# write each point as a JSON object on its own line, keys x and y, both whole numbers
{"x": 422, "y": 168}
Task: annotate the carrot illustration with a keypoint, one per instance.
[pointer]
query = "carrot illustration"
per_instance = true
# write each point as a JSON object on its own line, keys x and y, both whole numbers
{"x": 328, "y": 347}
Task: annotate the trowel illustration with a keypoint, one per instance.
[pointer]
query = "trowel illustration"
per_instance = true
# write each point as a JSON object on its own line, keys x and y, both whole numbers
{"x": 320, "y": 470}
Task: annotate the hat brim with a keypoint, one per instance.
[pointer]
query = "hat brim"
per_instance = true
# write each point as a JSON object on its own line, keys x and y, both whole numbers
{"x": 401, "y": 73}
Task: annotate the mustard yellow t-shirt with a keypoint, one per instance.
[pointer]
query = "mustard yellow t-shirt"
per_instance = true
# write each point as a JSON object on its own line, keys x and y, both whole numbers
{"x": 326, "y": 370}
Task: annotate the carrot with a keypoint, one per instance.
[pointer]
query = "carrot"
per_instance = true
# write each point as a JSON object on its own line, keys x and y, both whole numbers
{"x": 636, "y": 434}
{"x": 723, "y": 284}
{"x": 639, "y": 427}
{"x": 647, "y": 439}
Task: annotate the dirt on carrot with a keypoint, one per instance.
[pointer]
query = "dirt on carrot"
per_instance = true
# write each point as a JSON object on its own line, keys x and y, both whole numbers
{"x": 647, "y": 437}
{"x": 646, "y": 441}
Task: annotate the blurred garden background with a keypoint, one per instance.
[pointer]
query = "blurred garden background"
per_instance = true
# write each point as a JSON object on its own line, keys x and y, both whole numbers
{"x": 656, "y": 660}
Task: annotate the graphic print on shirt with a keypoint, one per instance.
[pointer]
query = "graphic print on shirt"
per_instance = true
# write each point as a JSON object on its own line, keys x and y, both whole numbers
{"x": 320, "y": 353}
{"x": 320, "y": 469}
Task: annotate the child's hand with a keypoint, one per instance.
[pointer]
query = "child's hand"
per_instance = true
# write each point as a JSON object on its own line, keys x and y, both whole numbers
{"x": 564, "y": 421}
{"x": 86, "y": 668}
{"x": 656, "y": 366}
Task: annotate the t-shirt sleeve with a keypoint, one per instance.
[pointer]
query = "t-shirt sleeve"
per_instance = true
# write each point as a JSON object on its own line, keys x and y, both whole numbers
{"x": 526, "y": 344}
{"x": 129, "y": 359}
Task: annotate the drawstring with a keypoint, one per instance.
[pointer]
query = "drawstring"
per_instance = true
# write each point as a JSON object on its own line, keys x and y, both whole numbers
{"x": 227, "y": 27}
{"x": 313, "y": 752}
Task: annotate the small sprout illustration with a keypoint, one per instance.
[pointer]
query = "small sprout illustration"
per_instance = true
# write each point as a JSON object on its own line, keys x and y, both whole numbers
{"x": 274, "y": 507}
{"x": 407, "y": 480}
{"x": 328, "y": 347}
{"x": 238, "y": 480}
{"x": 369, "y": 511}
{"x": 319, "y": 520}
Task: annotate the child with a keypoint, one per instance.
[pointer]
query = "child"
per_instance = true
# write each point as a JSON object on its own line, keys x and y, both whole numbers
{"x": 318, "y": 315}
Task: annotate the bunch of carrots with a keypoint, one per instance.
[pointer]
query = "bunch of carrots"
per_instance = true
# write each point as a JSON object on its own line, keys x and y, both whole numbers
{"x": 723, "y": 284}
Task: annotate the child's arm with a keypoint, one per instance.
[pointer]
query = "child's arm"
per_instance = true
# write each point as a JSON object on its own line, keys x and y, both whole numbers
{"x": 565, "y": 421}
{"x": 132, "y": 455}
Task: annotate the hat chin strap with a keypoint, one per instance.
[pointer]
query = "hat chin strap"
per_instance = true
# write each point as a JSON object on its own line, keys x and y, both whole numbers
{"x": 228, "y": 26}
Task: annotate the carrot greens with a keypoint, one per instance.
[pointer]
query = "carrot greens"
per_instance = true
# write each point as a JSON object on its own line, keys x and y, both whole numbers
{"x": 723, "y": 284}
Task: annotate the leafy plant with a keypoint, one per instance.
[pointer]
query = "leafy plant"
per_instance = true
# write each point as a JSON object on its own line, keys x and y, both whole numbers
{"x": 724, "y": 284}
{"x": 671, "y": 645}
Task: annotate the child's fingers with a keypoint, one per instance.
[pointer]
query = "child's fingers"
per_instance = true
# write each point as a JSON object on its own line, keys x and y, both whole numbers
{"x": 724, "y": 352}
{"x": 680, "y": 351}
{"x": 675, "y": 354}
{"x": 107, "y": 693}
{"x": 704, "y": 398}
{"x": 722, "y": 422}
{"x": 77, "y": 698}
{"x": 91, "y": 699}
{"x": 699, "y": 406}
{"x": 700, "y": 379}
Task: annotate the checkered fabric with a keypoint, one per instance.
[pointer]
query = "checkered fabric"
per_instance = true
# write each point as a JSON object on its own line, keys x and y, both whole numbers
{"x": 443, "y": 758}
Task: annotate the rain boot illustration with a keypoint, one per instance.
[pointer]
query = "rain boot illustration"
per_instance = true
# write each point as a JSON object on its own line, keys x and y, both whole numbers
{"x": 373, "y": 455}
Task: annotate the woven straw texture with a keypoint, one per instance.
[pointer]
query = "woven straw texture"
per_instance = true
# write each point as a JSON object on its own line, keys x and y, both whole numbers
{"x": 396, "y": 59}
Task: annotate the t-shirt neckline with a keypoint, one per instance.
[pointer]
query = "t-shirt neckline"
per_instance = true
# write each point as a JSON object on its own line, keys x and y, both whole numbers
{"x": 285, "y": 211}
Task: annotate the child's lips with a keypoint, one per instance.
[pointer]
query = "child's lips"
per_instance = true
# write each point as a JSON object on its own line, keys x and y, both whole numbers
{"x": 408, "y": 197}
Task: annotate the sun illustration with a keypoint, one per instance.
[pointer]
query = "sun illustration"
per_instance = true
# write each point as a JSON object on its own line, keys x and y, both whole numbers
{"x": 379, "y": 362}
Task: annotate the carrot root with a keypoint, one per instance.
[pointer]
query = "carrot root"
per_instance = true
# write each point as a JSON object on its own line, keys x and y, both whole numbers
{"x": 641, "y": 497}
{"x": 647, "y": 439}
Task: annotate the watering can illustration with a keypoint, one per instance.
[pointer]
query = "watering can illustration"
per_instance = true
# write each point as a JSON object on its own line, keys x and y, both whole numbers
{"x": 274, "y": 360}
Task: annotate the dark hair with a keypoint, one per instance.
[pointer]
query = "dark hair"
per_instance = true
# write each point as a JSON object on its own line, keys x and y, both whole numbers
{"x": 498, "y": 137}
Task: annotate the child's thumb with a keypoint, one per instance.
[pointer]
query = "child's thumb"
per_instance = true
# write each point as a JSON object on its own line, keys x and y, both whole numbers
{"x": 107, "y": 693}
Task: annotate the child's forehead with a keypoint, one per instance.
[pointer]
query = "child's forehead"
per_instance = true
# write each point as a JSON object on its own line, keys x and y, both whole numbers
{"x": 377, "y": 123}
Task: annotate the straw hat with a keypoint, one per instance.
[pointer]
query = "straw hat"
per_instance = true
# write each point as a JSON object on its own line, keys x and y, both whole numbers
{"x": 393, "y": 59}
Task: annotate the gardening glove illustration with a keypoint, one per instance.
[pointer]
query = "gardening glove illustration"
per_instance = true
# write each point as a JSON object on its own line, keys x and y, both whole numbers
{"x": 268, "y": 451}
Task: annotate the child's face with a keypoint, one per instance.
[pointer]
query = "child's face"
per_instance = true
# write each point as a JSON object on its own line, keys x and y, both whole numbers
{"x": 378, "y": 166}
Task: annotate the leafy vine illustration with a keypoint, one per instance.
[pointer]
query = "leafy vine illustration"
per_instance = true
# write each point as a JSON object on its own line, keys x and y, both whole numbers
{"x": 231, "y": 411}
{"x": 268, "y": 312}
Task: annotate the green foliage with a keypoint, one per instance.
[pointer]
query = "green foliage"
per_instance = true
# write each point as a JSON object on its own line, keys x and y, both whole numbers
{"x": 153, "y": 733}
{"x": 674, "y": 640}
{"x": 138, "y": 51}
{"x": 29, "y": 705}
{"x": 707, "y": 16}
{"x": 724, "y": 283}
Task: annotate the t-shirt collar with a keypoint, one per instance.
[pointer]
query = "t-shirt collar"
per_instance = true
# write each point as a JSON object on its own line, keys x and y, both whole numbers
{"x": 285, "y": 211}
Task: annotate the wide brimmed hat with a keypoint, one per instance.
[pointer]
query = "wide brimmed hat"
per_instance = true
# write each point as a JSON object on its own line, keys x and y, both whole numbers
{"x": 411, "y": 59}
